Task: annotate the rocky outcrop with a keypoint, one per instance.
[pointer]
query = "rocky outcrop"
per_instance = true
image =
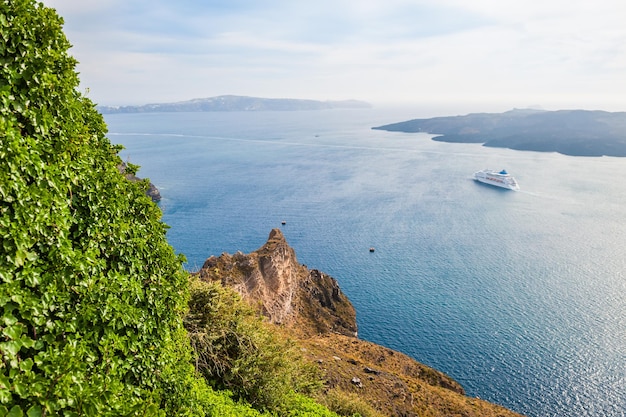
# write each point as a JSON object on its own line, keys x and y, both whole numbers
{"x": 152, "y": 191}
{"x": 285, "y": 291}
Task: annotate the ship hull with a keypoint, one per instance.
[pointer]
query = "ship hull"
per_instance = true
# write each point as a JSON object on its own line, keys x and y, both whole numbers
{"x": 498, "y": 179}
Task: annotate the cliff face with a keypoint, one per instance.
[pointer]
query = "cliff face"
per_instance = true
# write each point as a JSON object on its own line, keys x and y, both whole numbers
{"x": 286, "y": 292}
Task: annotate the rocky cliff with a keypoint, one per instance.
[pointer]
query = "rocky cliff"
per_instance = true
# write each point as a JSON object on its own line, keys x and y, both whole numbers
{"x": 286, "y": 292}
{"x": 152, "y": 191}
{"x": 311, "y": 307}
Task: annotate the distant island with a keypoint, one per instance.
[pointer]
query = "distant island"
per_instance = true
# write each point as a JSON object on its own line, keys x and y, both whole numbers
{"x": 570, "y": 132}
{"x": 237, "y": 103}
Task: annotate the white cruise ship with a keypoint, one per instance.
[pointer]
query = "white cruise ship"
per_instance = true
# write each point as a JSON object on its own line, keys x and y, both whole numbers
{"x": 499, "y": 179}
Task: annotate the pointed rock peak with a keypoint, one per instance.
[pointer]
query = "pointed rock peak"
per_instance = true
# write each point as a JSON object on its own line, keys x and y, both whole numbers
{"x": 276, "y": 235}
{"x": 276, "y": 243}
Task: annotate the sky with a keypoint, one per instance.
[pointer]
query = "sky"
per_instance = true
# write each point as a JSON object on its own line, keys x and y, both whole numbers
{"x": 484, "y": 54}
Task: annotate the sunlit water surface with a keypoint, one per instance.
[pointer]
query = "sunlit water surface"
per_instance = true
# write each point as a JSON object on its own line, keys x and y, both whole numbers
{"x": 520, "y": 296}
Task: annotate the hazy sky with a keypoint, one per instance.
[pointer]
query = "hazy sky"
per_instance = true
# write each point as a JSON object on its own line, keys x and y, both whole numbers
{"x": 553, "y": 53}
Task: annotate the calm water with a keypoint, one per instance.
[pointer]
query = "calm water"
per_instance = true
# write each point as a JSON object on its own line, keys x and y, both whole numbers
{"x": 520, "y": 296}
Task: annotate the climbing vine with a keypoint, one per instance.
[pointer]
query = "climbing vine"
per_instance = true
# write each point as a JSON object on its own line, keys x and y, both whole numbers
{"x": 91, "y": 294}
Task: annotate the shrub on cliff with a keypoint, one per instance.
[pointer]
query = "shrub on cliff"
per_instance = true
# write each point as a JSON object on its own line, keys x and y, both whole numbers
{"x": 235, "y": 349}
{"x": 91, "y": 293}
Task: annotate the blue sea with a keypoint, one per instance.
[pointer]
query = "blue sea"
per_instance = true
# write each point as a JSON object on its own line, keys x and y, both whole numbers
{"x": 519, "y": 296}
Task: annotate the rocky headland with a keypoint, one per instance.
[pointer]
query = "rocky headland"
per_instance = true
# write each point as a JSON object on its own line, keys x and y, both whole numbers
{"x": 570, "y": 132}
{"x": 286, "y": 292}
{"x": 309, "y": 305}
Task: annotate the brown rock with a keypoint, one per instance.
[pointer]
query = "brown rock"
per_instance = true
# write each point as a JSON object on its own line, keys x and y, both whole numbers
{"x": 285, "y": 291}
{"x": 152, "y": 191}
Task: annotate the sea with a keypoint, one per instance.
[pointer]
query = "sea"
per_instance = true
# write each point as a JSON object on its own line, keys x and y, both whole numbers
{"x": 519, "y": 296}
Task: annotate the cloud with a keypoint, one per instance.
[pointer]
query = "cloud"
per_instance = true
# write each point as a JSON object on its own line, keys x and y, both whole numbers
{"x": 135, "y": 51}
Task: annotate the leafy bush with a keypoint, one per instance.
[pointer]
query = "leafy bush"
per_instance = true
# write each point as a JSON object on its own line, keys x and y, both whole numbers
{"x": 236, "y": 349}
{"x": 348, "y": 404}
{"x": 302, "y": 406}
{"x": 91, "y": 294}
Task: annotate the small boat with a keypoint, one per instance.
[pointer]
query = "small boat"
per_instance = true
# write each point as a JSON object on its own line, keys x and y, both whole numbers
{"x": 500, "y": 179}
{"x": 372, "y": 249}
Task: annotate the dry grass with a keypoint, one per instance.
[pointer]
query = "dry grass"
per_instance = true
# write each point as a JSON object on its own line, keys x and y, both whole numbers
{"x": 391, "y": 383}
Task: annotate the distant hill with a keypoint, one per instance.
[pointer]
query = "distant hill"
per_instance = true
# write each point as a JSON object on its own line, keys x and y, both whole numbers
{"x": 570, "y": 132}
{"x": 236, "y": 103}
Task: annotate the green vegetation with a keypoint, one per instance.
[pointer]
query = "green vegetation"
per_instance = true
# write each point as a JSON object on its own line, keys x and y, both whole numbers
{"x": 92, "y": 297}
{"x": 237, "y": 350}
{"x": 92, "y": 294}
{"x": 348, "y": 404}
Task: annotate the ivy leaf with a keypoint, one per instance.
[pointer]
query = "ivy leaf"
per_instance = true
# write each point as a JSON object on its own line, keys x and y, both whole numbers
{"x": 34, "y": 411}
{"x": 26, "y": 365}
{"x": 21, "y": 389}
{"x": 16, "y": 411}
{"x": 5, "y": 397}
{"x": 11, "y": 347}
{"x": 13, "y": 332}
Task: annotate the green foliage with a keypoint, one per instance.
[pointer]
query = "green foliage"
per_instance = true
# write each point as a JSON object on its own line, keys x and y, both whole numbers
{"x": 348, "y": 404}
{"x": 237, "y": 350}
{"x": 301, "y": 406}
{"x": 91, "y": 294}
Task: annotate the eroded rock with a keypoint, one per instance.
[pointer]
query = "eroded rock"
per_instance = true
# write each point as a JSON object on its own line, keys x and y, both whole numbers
{"x": 285, "y": 291}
